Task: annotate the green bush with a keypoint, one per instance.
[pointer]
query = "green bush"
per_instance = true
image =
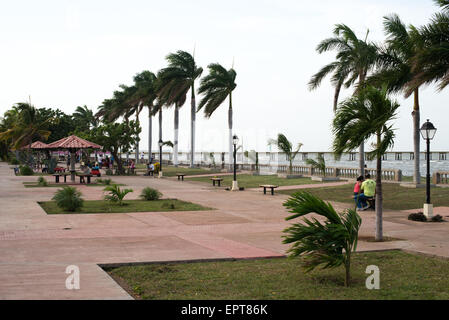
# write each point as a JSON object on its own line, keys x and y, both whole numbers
{"x": 419, "y": 216}
{"x": 68, "y": 199}
{"x": 116, "y": 195}
{"x": 26, "y": 171}
{"x": 150, "y": 194}
{"x": 42, "y": 182}
{"x": 15, "y": 162}
{"x": 437, "y": 218}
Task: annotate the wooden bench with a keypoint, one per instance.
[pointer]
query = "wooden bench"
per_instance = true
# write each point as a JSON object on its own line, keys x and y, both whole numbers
{"x": 219, "y": 180}
{"x": 57, "y": 175}
{"x": 371, "y": 202}
{"x": 180, "y": 176}
{"x": 84, "y": 175}
{"x": 266, "y": 186}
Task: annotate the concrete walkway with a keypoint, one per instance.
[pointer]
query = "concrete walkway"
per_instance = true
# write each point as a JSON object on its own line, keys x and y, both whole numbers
{"x": 36, "y": 248}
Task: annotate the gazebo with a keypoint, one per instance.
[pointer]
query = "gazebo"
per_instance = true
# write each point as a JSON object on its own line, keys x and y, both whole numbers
{"x": 36, "y": 146}
{"x": 72, "y": 144}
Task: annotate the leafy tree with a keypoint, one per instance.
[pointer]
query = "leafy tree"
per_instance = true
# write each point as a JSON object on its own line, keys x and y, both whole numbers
{"x": 329, "y": 243}
{"x": 395, "y": 71}
{"x": 61, "y": 126}
{"x": 117, "y": 136}
{"x": 360, "y": 118}
{"x": 319, "y": 164}
{"x": 116, "y": 195}
{"x": 181, "y": 73}
{"x": 216, "y": 87}
{"x": 286, "y": 147}
{"x": 355, "y": 58}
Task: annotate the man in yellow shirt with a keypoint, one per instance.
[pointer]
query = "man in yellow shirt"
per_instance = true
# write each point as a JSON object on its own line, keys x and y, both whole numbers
{"x": 368, "y": 188}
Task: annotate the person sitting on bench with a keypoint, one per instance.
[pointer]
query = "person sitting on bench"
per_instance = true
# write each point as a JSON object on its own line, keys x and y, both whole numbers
{"x": 369, "y": 189}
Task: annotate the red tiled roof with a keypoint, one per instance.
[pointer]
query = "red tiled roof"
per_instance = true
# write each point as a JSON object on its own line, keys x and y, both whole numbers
{"x": 73, "y": 142}
{"x": 36, "y": 145}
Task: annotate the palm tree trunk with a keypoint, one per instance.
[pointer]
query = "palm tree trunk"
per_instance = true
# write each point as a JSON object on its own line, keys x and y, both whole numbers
{"x": 348, "y": 269}
{"x": 175, "y": 143}
{"x": 416, "y": 120}
{"x": 230, "y": 134}
{"x": 362, "y": 75}
{"x": 379, "y": 198}
{"x": 160, "y": 131}
{"x": 150, "y": 133}
{"x": 137, "y": 139}
{"x": 192, "y": 128}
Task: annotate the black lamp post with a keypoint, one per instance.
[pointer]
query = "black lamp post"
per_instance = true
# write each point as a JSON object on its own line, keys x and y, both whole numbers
{"x": 428, "y": 132}
{"x": 235, "y": 141}
{"x": 160, "y": 157}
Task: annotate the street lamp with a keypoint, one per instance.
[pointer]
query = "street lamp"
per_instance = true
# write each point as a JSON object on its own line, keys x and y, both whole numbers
{"x": 235, "y": 185}
{"x": 428, "y": 132}
{"x": 160, "y": 157}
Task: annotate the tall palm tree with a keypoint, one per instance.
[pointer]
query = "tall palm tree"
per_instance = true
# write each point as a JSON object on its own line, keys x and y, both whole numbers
{"x": 145, "y": 83}
{"x": 360, "y": 118}
{"x": 431, "y": 64}
{"x": 182, "y": 72}
{"x": 395, "y": 71}
{"x": 354, "y": 59}
{"x": 170, "y": 93}
{"x": 286, "y": 147}
{"x": 85, "y": 118}
{"x": 216, "y": 87}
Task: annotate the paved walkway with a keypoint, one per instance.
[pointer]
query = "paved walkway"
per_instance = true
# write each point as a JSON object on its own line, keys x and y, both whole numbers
{"x": 36, "y": 248}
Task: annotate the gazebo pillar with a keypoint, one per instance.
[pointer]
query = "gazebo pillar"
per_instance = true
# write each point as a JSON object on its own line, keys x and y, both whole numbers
{"x": 72, "y": 164}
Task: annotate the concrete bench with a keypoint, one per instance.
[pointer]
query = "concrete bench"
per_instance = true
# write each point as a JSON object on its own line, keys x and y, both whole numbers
{"x": 82, "y": 177}
{"x": 266, "y": 186}
{"x": 57, "y": 175}
{"x": 180, "y": 176}
{"x": 219, "y": 180}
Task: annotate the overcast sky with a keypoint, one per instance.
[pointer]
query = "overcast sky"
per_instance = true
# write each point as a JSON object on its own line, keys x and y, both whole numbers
{"x": 69, "y": 53}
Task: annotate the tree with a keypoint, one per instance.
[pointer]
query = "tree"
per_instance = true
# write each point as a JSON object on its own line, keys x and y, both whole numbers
{"x": 84, "y": 118}
{"x": 145, "y": 82}
{"x": 286, "y": 147}
{"x": 183, "y": 71}
{"x": 216, "y": 87}
{"x": 360, "y": 118}
{"x": 395, "y": 71}
{"x": 355, "y": 58}
{"x": 319, "y": 164}
{"x": 431, "y": 64}
{"x": 329, "y": 244}
{"x": 117, "y": 136}
{"x": 27, "y": 128}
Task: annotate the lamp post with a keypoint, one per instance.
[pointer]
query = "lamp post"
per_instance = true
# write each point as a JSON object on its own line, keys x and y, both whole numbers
{"x": 160, "y": 157}
{"x": 235, "y": 185}
{"x": 428, "y": 132}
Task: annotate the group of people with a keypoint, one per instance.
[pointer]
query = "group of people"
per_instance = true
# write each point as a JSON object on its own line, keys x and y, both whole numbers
{"x": 364, "y": 192}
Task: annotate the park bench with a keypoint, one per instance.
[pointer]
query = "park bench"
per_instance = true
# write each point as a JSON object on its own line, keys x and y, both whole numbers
{"x": 219, "y": 180}
{"x": 57, "y": 175}
{"x": 59, "y": 169}
{"x": 82, "y": 177}
{"x": 266, "y": 186}
{"x": 180, "y": 176}
{"x": 371, "y": 202}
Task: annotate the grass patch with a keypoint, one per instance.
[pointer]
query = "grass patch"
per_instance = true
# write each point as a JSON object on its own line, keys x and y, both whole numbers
{"x": 250, "y": 181}
{"x": 402, "y": 276}
{"x": 170, "y": 171}
{"x": 102, "y": 206}
{"x": 395, "y": 197}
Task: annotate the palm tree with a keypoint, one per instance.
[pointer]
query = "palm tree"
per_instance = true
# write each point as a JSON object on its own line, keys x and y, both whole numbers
{"x": 85, "y": 118}
{"x": 319, "y": 164}
{"x": 329, "y": 244}
{"x": 145, "y": 82}
{"x": 181, "y": 73}
{"x": 286, "y": 147}
{"x": 27, "y": 128}
{"x": 431, "y": 64}
{"x": 360, "y": 118}
{"x": 395, "y": 71}
{"x": 216, "y": 87}
{"x": 355, "y": 58}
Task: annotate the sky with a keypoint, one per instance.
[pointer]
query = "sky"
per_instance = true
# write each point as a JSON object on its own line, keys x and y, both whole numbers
{"x": 64, "y": 54}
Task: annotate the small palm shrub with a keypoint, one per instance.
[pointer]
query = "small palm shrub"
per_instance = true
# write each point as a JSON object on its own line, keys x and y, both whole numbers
{"x": 42, "y": 182}
{"x": 328, "y": 244}
{"x": 116, "y": 195}
{"x": 26, "y": 171}
{"x": 68, "y": 199}
{"x": 150, "y": 194}
{"x": 419, "y": 216}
